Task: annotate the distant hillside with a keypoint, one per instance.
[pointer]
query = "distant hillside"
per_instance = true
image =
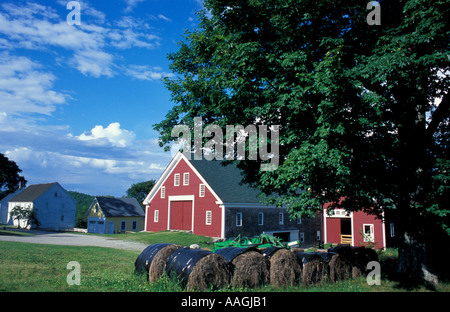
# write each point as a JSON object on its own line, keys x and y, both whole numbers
{"x": 84, "y": 201}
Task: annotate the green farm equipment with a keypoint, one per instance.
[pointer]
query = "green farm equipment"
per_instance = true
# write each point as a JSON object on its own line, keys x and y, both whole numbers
{"x": 260, "y": 241}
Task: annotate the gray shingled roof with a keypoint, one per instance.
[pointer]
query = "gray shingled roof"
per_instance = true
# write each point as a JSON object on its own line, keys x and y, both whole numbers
{"x": 226, "y": 181}
{"x": 31, "y": 193}
{"x": 120, "y": 207}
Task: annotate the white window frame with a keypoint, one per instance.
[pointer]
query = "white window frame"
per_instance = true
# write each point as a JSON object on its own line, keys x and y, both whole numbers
{"x": 156, "y": 216}
{"x": 368, "y": 237}
{"x": 260, "y": 218}
{"x": 186, "y": 178}
{"x": 201, "y": 190}
{"x": 176, "y": 179}
{"x": 280, "y": 218}
{"x": 239, "y": 219}
{"x": 163, "y": 192}
{"x": 208, "y": 217}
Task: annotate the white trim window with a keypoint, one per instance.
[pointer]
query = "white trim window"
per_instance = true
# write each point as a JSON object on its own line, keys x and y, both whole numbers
{"x": 186, "y": 178}
{"x": 176, "y": 179}
{"x": 281, "y": 218}
{"x": 208, "y": 217}
{"x": 368, "y": 234}
{"x": 260, "y": 218}
{"x": 201, "y": 191}
{"x": 238, "y": 218}
{"x": 163, "y": 192}
{"x": 156, "y": 216}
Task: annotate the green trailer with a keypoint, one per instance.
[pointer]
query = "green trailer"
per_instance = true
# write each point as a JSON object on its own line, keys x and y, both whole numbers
{"x": 260, "y": 241}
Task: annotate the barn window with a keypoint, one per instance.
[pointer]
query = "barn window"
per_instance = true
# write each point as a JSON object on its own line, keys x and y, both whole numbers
{"x": 134, "y": 226}
{"x": 391, "y": 227}
{"x": 176, "y": 179}
{"x": 238, "y": 218}
{"x": 302, "y": 237}
{"x": 202, "y": 190}
{"x": 260, "y": 218}
{"x": 281, "y": 218}
{"x": 208, "y": 217}
{"x": 156, "y": 216}
{"x": 368, "y": 232}
{"x": 123, "y": 225}
{"x": 163, "y": 192}
{"x": 186, "y": 178}
{"x": 299, "y": 220}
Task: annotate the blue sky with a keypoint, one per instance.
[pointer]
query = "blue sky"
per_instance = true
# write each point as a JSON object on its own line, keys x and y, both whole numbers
{"x": 77, "y": 102}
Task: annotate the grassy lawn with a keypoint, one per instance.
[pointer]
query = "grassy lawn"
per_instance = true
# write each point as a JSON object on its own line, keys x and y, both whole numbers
{"x": 34, "y": 267}
{"x": 180, "y": 238}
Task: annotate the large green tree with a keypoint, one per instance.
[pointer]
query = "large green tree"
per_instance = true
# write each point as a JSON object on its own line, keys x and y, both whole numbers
{"x": 363, "y": 109}
{"x": 10, "y": 178}
{"x": 140, "y": 190}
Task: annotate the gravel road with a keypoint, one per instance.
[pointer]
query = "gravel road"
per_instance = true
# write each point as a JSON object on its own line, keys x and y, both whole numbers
{"x": 70, "y": 239}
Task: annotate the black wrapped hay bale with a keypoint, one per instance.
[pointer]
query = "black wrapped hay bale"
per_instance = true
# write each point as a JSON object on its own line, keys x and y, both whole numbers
{"x": 158, "y": 265}
{"x": 314, "y": 268}
{"x": 285, "y": 269}
{"x": 144, "y": 260}
{"x": 199, "y": 269}
{"x": 357, "y": 257}
{"x": 250, "y": 267}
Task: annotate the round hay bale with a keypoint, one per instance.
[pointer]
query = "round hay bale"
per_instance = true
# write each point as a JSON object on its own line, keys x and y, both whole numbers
{"x": 211, "y": 271}
{"x": 250, "y": 268}
{"x": 314, "y": 268}
{"x": 144, "y": 260}
{"x": 349, "y": 254}
{"x": 339, "y": 268}
{"x": 284, "y": 267}
{"x": 158, "y": 264}
{"x": 198, "y": 269}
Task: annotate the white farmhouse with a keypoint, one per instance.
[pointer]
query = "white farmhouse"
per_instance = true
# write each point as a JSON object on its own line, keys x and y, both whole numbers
{"x": 55, "y": 208}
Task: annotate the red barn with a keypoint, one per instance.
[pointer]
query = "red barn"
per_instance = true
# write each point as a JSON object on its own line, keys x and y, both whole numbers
{"x": 208, "y": 199}
{"x": 355, "y": 228}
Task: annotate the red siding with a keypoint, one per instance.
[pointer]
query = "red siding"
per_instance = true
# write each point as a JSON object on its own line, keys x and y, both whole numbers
{"x": 200, "y": 205}
{"x": 359, "y": 218}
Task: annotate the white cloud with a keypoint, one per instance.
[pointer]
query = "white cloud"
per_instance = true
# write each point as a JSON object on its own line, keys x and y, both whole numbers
{"x": 25, "y": 87}
{"x": 131, "y": 4}
{"x": 145, "y": 72}
{"x": 34, "y": 26}
{"x": 112, "y": 134}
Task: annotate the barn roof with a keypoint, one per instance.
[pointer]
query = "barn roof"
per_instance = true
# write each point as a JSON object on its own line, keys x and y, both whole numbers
{"x": 120, "y": 207}
{"x": 32, "y": 192}
{"x": 226, "y": 181}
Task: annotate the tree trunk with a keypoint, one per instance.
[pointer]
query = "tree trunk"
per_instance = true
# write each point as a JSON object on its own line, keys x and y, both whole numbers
{"x": 413, "y": 257}
{"x": 414, "y": 242}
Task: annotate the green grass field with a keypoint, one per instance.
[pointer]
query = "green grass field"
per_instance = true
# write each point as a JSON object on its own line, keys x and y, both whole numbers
{"x": 35, "y": 268}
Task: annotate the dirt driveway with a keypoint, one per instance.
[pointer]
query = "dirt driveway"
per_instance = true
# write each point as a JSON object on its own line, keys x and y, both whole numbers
{"x": 71, "y": 239}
